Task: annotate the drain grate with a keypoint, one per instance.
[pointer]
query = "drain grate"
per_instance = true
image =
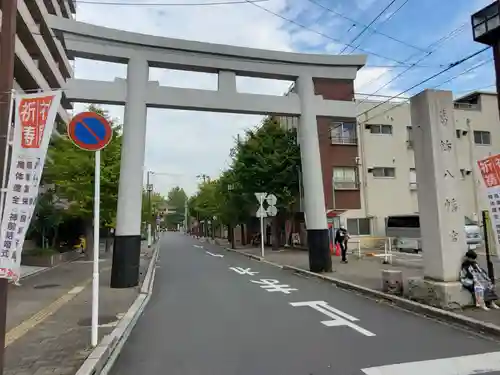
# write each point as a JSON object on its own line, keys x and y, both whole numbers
{"x": 46, "y": 286}
{"x": 103, "y": 319}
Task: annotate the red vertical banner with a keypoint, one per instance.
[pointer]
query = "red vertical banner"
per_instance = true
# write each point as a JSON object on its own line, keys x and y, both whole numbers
{"x": 490, "y": 170}
{"x": 34, "y": 120}
{"x": 33, "y": 113}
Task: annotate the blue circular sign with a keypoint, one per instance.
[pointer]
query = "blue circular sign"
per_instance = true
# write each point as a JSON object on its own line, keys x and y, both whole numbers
{"x": 90, "y": 131}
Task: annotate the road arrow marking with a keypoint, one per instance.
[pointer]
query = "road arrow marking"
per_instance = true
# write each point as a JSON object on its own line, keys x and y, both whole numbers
{"x": 215, "y": 255}
{"x": 198, "y": 246}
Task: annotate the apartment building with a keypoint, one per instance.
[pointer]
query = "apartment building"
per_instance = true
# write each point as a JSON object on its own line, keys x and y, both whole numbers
{"x": 40, "y": 60}
{"x": 368, "y": 165}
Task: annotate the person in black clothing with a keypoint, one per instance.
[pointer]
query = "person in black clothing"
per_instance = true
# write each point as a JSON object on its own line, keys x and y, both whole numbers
{"x": 341, "y": 238}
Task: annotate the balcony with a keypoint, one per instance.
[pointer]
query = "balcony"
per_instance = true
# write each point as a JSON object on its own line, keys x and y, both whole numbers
{"x": 345, "y": 185}
{"x": 409, "y": 144}
{"x": 413, "y": 186}
{"x": 343, "y": 133}
{"x": 467, "y": 106}
{"x": 343, "y": 140}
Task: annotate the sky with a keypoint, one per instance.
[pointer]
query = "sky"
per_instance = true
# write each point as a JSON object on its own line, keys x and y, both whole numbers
{"x": 410, "y": 41}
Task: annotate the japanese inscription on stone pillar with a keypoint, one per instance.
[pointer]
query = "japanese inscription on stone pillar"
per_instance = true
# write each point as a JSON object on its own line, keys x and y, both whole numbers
{"x": 441, "y": 217}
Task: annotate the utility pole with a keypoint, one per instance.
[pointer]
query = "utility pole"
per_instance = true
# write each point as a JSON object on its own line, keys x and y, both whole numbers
{"x": 186, "y": 215}
{"x": 149, "y": 189}
{"x": 204, "y": 177}
{"x": 7, "y": 55}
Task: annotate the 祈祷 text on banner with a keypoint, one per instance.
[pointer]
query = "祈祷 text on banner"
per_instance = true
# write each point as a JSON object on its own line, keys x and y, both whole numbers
{"x": 34, "y": 120}
{"x": 490, "y": 170}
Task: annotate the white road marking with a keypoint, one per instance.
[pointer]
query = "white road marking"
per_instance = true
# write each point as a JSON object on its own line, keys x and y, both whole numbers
{"x": 339, "y": 318}
{"x": 114, "y": 323}
{"x": 465, "y": 365}
{"x": 76, "y": 290}
{"x": 244, "y": 271}
{"x": 272, "y": 285}
{"x": 215, "y": 255}
{"x": 198, "y": 246}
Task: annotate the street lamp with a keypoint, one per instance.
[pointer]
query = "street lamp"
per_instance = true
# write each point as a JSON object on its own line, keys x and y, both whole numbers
{"x": 230, "y": 188}
{"x": 486, "y": 24}
{"x": 486, "y": 30}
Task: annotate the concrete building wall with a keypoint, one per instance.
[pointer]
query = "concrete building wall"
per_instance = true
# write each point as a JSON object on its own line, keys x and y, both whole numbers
{"x": 40, "y": 60}
{"x": 383, "y": 158}
{"x": 387, "y": 143}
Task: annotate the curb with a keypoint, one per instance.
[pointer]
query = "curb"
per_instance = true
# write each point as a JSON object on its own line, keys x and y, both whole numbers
{"x": 104, "y": 355}
{"x": 409, "y": 305}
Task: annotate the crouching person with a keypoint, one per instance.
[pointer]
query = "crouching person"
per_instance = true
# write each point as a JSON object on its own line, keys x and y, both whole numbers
{"x": 477, "y": 282}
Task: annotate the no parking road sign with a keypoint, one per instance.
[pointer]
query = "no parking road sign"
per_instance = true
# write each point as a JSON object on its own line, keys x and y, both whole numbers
{"x": 90, "y": 131}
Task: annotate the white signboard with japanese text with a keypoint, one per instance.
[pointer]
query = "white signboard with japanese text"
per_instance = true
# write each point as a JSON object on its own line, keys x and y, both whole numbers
{"x": 490, "y": 171}
{"x": 34, "y": 120}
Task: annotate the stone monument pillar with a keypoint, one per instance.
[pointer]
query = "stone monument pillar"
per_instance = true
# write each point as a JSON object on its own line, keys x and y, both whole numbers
{"x": 441, "y": 217}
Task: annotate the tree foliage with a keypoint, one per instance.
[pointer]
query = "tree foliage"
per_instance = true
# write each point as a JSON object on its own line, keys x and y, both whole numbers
{"x": 266, "y": 160}
{"x": 176, "y": 200}
{"x": 71, "y": 170}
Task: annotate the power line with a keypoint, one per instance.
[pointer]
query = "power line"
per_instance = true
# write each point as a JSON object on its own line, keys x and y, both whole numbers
{"x": 440, "y": 41}
{"x": 373, "y": 30}
{"x": 369, "y": 25}
{"x": 478, "y": 88}
{"x": 474, "y": 67}
{"x": 451, "y": 66}
{"x": 320, "y": 33}
{"x": 433, "y": 46}
{"x": 355, "y": 22}
{"x": 168, "y": 4}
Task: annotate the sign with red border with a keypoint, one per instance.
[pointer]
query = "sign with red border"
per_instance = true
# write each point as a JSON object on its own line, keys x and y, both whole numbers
{"x": 90, "y": 131}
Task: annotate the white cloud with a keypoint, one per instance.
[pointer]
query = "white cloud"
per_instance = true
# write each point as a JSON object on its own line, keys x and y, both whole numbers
{"x": 183, "y": 143}
{"x": 370, "y": 79}
{"x": 180, "y": 142}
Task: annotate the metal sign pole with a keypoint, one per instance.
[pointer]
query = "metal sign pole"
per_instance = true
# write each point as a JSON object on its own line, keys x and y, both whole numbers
{"x": 261, "y": 201}
{"x": 95, "y": 272}
{"x": 80, "y": 127}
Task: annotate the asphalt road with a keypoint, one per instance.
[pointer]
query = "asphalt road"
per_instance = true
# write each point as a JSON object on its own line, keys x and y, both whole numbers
{"x": 205, "y": 318}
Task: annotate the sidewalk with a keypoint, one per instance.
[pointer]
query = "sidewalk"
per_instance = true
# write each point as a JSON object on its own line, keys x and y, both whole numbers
{"x": 365, "y": 272}
{"x": 49, "y": 316}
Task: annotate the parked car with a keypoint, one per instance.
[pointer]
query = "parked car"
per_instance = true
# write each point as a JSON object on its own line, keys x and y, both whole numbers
{"x": 405, "y": 229}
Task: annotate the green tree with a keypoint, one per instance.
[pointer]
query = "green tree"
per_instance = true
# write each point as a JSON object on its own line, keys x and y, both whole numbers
{"x": 71, "y": 170}
{"x": 158, "y": 203}
{"x": 176, "y": 200}
{"x": 268, "y": 160}
{"x": 49, "y": 214}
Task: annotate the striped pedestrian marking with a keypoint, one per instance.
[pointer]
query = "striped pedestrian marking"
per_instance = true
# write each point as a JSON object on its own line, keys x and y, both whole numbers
{"x": 486, "y": 363}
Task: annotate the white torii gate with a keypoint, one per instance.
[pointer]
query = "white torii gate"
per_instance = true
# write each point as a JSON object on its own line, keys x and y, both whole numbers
{"x": 137, "y": 93}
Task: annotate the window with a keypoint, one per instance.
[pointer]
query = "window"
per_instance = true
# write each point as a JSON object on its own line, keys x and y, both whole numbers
{"x": 381, "y": 129}
{"x": 343, "y": 133}
{"x": 413, "y": 178}
{"x": 409, "y": 137}
{"x": 482, "y": 137}
{"x": 359, "y": 227}
{"x": 384, "y": 172}
{"x": 469, "y": 221}
{"x": 403, "y": 221}
{"x": 345, "y": 178}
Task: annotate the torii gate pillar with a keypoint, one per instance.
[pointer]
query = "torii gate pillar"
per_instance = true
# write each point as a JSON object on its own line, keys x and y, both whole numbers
{"x": 127, "y": 244}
